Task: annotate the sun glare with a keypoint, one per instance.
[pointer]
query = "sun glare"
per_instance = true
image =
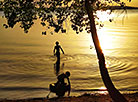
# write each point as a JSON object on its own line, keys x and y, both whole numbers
{"x": 103, "y": 90}
{"x": 105, "y": 39}
{"x": 104, "y": 15}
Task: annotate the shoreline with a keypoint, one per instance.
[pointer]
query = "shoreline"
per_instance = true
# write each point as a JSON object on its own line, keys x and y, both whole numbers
{"x": 86, "y": 97}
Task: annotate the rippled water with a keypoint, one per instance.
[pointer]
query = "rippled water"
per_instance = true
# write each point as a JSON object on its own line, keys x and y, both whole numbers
{"x": 27, "y": 61}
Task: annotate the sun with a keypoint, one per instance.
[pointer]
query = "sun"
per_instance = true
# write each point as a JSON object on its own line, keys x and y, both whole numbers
{"x": 104, "y": 15}
{"x": 105, "y": 38}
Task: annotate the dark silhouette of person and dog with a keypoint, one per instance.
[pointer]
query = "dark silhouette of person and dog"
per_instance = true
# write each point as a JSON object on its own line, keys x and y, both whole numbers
{"x": 61, "y": 87}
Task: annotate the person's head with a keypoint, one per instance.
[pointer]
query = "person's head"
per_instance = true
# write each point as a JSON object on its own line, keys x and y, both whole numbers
{"x": 67, "y": 73}
{"x": 57, "y": 42}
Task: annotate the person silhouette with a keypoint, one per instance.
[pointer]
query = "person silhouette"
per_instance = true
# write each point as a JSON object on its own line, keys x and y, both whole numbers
{"x": 56, "y": 51}
{"x": 61, "y": 87}
{"x": 61, "y": 81}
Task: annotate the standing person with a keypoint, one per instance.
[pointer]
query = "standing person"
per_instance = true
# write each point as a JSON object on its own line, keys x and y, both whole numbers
{"x": 57, "y": 49}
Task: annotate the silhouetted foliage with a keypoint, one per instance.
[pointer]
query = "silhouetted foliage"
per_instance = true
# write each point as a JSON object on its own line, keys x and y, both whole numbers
{"x": 53, "y": 13}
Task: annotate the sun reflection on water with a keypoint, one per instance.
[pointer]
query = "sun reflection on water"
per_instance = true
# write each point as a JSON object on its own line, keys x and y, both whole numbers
{"x": 105, "y": 38}
{"x": 103, "y": 90}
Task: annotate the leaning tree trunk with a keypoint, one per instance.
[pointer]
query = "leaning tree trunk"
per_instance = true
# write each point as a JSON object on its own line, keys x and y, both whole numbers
{"x": 113, "y": 92}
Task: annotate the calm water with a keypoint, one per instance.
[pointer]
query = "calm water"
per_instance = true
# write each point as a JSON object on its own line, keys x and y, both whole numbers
{"x": 27, "y": 61}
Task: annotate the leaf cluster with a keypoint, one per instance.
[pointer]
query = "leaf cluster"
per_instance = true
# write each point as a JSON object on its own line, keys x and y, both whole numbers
{"x": 22, "y": 11}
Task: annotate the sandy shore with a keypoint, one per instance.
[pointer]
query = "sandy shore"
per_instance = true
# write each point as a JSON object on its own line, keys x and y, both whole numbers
{"x": 83, "y": 98}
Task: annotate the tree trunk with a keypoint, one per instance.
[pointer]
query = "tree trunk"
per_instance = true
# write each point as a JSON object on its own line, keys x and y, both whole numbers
{"x": 113, "y": 92}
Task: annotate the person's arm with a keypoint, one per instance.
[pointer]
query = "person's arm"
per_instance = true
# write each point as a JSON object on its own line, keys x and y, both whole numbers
{"x": 61, "y": 49}
{"x": 69, "y": 86}
{"x": 54, "y": 51}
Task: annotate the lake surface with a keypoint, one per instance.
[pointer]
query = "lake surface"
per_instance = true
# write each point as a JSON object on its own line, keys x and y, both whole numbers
{"x": 27, "y": 61}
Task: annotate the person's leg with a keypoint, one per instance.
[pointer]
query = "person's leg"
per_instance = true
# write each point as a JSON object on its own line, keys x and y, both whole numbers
{"x": 58, "y": 57}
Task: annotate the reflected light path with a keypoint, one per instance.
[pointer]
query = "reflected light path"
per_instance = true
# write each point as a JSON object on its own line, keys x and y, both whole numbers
{"x": 106, "y": 40}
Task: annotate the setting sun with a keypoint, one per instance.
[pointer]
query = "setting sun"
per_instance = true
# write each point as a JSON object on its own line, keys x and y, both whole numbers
{"x": 105, "y": 39}
{"x": 104, "y": 15}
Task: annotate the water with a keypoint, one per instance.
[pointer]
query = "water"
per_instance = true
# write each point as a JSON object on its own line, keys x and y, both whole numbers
{"x": 27, "y": 61}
